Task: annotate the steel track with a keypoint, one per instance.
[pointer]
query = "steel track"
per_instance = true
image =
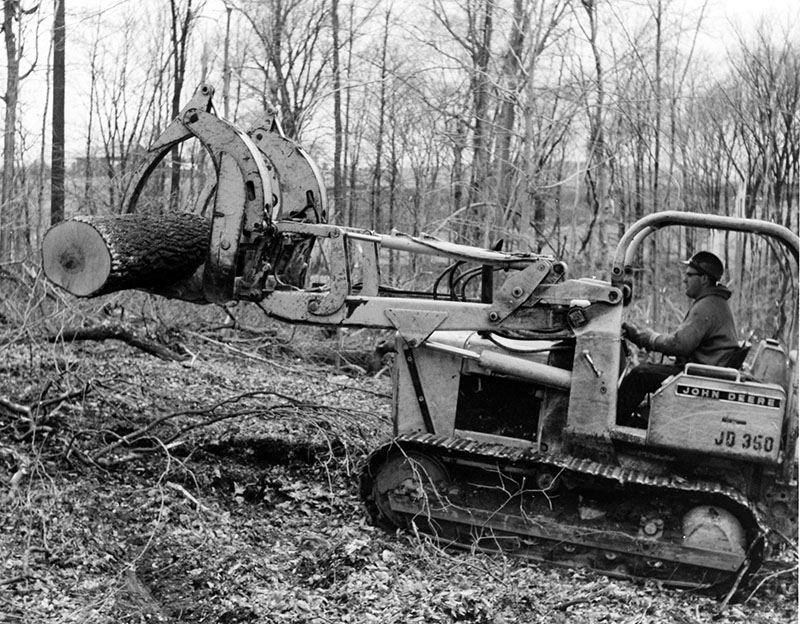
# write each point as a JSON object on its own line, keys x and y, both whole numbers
{"x": 466, "y": 520}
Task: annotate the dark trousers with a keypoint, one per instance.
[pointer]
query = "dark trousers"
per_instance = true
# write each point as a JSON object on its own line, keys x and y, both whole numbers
{"x": 637, "y": 384}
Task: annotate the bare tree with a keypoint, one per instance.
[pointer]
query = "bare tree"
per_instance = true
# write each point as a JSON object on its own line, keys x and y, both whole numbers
{"x": 544, "y": 122}
{"x": 130, "y": 76}
{"x": 292, "y": 66}
{"x": 766, "y": 103}
{"x": 338, "y": 139}
{"x": 88, "y": 171}
{"x": 59, "y": 87}
{"x": 509, "y": 96}
{"x": 599, "y": 157}
{"x": 548, "y": 121}
{"x": 11, "y": 12}
{"x": 182, "y": 17}
{"x": 13, "y": 16}
{"x": 377, "y": 175}
{"x": 472, "y": 32}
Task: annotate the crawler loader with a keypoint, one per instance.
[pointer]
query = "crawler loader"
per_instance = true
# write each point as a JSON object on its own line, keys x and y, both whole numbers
{"x": 505, "y": 380}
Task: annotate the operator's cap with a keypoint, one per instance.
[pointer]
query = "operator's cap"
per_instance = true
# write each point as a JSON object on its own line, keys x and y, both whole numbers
{"x": 706, "y": 262}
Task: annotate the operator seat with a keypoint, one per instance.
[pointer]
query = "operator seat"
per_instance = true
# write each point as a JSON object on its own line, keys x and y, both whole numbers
{"x": 738, "y": 357}
{"x": 639, "y": 418}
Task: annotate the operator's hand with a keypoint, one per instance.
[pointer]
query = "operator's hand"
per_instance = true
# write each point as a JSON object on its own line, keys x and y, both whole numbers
{"x": 640, "y": 337}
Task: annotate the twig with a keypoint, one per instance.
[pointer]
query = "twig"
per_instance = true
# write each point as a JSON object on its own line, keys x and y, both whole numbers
{"x": 562, "y": 606}
{"x": 179, "y": 488}
{"x": 16, "y": 579}
{"x": 30, "y": 414}
{"x": 16, "y": 408}
{"x": 64, "y": 397}
{"x": 342, "y": 387}
{"x": 211, "y": 421}
{"x": 769, "y": 577}
{"x": 742, "y": 571}
{"x": 247, "y": 354}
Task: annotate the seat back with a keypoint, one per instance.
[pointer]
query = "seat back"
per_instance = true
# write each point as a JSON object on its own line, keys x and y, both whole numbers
{"x": 737, "y": 358}
{"x": 769, "y": 363}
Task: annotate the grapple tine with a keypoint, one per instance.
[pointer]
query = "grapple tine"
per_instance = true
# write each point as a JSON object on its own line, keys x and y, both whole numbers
{"x": 176, "y": 132}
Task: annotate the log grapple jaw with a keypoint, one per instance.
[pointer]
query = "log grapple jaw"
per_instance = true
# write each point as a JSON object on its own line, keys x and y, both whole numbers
{"x": 262, "y": 177}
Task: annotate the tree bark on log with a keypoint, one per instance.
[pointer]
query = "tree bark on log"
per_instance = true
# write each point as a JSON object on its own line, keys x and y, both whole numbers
{"x": 90, "y": 256}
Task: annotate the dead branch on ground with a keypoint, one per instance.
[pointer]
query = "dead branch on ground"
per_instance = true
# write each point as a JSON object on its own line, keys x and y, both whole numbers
{"x": 133, "y": 436}
{"x": 113, "y": 331}
{"x": 211, "y": 415}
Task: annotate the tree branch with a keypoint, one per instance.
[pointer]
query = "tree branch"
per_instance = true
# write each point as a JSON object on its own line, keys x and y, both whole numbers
{"x": 118, "y": 332}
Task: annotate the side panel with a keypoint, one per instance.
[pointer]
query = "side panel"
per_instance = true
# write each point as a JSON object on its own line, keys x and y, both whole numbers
{"x": 464, "y": 393}
{"x": 595, "y": 375}
{"x": 426, "y": 381}
{"x": 719, "y": 417}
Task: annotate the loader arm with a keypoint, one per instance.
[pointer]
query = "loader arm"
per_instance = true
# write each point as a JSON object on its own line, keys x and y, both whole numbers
{"x": 267, "y": 209}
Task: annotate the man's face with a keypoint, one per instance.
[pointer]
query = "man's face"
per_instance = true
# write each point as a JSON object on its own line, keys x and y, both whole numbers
{"x": 693, "y": 280}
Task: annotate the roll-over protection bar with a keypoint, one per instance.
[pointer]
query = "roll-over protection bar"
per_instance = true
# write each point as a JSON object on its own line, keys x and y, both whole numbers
{"x": 622, "y": 269}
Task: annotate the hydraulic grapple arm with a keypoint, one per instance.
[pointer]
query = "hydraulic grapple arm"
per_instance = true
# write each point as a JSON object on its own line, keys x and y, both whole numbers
{"x": 267, "y": 209}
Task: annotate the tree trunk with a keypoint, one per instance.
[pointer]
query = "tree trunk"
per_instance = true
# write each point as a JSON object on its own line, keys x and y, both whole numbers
{"x": 59, "y": 87}
{"x": 474, "y": 232}
{"x": 512, "y": 70}
{"x": 181, "y": 27}
{"x": 394, "y": 185}
{"x": 91, "y": 256}
{"x": 597, "y": 161}
{"x": 88, "y": 195}
{"x": 338, "y": 136}
{"x": 10, "y": 13}
{"x": 226, "y": 66}
{"x": 376, "y": 216}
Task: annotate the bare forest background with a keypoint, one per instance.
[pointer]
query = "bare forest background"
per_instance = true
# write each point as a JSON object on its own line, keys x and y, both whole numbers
{"x": 551, "y": 125}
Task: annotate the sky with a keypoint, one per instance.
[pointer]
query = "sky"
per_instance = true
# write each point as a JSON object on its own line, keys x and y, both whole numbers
{"x": 720, "y": 16}
{"x": 745, "y": 14}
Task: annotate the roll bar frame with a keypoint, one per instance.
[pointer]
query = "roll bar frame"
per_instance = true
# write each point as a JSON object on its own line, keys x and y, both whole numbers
{"x": 622, "y": 269}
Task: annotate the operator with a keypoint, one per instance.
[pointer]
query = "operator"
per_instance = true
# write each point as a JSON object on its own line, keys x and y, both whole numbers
{"x": 707, "y": 334}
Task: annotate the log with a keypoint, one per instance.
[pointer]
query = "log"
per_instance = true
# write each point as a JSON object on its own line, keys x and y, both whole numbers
{"x": 89, "y": 256}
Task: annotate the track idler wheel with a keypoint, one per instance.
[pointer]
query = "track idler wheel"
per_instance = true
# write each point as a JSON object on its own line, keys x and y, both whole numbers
{"x": 414, "y": 475}
{"x": 713, "y": 528}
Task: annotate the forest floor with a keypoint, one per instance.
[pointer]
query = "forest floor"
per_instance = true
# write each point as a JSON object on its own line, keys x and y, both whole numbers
{"x": 224, "y": 488}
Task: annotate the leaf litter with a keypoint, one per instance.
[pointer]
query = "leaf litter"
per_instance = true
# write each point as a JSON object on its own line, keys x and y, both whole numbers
{"x": 224, "y": 489}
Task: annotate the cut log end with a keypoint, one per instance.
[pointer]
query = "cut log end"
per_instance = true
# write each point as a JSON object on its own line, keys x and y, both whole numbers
{"x": 90, "y": 256}
{"x": 75, "y": 257}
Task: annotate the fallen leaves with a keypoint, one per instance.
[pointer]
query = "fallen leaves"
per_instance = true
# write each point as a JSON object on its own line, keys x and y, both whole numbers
{"x": 233, "y": 498}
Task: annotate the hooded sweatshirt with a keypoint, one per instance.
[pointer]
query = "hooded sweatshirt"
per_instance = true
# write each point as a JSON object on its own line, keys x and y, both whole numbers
{"x": 707, "y": 334}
